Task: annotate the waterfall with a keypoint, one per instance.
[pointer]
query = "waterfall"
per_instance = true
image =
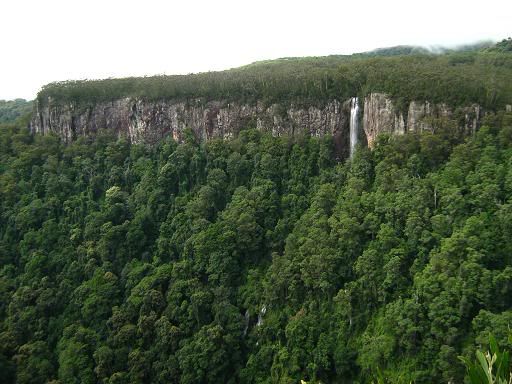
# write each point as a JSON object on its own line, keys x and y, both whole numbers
{"x": 354, "y": 124}
{"x": 261, "y": 314}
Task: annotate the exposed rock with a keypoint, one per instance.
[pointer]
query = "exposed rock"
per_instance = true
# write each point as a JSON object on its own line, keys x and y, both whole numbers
{"x": 472, "y": 119}
{"x": 145, "y": 121}
{"x": 381, "y": 116}
{"x": 420, "y": 115}
{"x": 150, "y": 121}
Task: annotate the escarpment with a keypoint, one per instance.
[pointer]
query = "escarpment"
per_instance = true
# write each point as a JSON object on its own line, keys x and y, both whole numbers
{"x": 141, "y": 120}
{"x": 148, "y": 121}
{"x": 381, "y": 115}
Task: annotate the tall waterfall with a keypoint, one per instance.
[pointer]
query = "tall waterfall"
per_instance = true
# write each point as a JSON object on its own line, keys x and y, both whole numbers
{"x": 354, "y": 124}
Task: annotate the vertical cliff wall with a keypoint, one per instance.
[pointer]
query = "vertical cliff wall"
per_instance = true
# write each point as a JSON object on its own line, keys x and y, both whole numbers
{"x": 381, "y": 115}
{"x": 150, "y": 121}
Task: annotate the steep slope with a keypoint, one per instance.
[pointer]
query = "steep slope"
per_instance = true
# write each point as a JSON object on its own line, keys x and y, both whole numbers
{"x": 287, "y": 97}
{"x": 259, "y": 259}
{"x": 264, "y": 258}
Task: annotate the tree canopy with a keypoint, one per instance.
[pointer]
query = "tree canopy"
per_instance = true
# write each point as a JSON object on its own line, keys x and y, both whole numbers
{"x": 255, "y": 260}
{"x": 475, "y": 74}
{"x": 11, "y": 110}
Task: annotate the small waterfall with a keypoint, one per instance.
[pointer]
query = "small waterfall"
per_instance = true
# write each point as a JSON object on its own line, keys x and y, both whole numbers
{"x": 354, "y": 124}
{"x": 261, "y": 314}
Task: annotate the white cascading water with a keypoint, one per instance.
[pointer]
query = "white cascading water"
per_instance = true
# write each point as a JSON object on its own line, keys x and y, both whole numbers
{"x": 261, "y": 314}
{"x": 354, "y": 124}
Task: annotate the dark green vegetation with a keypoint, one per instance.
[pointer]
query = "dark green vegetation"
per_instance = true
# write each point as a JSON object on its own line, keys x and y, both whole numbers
{"x": 503, "y": 46}
{"x": 401, "y": 50}
{"x": 456, "y": 78}
{"x": 13, "y": 109}
{"x": 492, "y": 367}
{"x": 122, "y": 263}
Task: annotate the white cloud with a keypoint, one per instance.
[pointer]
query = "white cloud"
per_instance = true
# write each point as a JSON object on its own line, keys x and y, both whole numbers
{"x": 52, "y": 40}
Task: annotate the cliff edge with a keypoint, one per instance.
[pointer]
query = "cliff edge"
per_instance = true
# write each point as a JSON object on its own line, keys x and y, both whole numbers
{"x": 143, "y": 121}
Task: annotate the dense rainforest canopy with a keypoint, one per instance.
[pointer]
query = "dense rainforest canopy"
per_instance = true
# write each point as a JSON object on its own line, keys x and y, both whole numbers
{"x": 261, "y": 259}
{"x": 458, "y": 77}
{"x": 257, "y": 260}
{"x": 12, "y": 109}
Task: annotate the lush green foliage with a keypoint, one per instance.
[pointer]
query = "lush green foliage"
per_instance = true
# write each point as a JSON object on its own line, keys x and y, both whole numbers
{"x": 492, "y": 367}
{"x": 12, "y": 109}
{"x": 504, "y": 45}
{"x": 401, "y": 50}
{"x": 258, "y": 260}
{"x": 456, "y": 78}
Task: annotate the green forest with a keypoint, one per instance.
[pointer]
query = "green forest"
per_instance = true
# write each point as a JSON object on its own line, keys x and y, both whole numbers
{"x": 10, "y": 110}
{"x": 264, "y": 259}
{"x": 458, "y": 78}
{"x": 255, "y": 260}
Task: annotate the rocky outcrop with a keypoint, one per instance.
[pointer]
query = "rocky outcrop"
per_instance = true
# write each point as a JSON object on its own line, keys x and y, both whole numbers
{"x": 147, "y": 121}
{"x": 150, "y": 121}
{"x": 382, "y": 116}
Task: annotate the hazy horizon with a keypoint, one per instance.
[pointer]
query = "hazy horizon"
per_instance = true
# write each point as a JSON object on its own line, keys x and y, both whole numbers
{"x": 58, "y": 40}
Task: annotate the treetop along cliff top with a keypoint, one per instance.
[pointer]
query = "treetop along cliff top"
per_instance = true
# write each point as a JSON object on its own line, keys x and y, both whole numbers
{"x": 482, "y": 76}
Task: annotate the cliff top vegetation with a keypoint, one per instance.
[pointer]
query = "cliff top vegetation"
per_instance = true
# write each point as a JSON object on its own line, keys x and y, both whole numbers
{"x": 12, "y": 109}
{"x": 457, "y": 77}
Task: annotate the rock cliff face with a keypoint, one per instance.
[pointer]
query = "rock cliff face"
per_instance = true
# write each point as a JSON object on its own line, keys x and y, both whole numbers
{"x": 145, "y": 121}
{"x": 382, "y": 116}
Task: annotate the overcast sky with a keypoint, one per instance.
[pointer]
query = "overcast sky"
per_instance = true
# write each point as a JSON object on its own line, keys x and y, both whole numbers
{"x": 50, "y": 40}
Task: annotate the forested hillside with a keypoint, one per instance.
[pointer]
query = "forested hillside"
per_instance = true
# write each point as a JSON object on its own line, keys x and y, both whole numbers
{"x": 12, "y": 109}
{"x": 257, "y": 260}
{"x": 457, "y": 78}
